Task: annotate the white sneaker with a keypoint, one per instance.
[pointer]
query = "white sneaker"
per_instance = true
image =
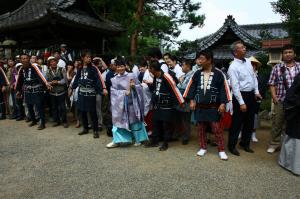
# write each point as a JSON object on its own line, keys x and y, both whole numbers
{"x": 271, "y": 149}
{"x": 254, "y": 139}
{"x": 201, "y": 152}
{"x": 137, "y": 144}
{"x": 223, "y": 155}
{"x": 112, "y": 145}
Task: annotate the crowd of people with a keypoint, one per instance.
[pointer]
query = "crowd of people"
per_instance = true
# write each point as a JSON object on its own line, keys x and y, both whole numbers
{"x": 157, "y": 100}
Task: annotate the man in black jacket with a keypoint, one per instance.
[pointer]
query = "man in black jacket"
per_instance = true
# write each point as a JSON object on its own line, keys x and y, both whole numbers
{"x": 290, "y": 150}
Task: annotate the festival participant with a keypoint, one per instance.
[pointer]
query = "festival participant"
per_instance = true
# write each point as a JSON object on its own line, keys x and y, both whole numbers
{"x": 89, "y": 85}
{"x": 208, "y": 94}
{"x": 290, "y": 150}
{"x": 12, "y": 74}
{"x": 31, "y": 83}
{"x": 3, "y": 84}
{"x": 165, "y": 96}
{"x": 184, "y": 114}
{"x": 127, "y": 108}
{"x": 57, "y": 78}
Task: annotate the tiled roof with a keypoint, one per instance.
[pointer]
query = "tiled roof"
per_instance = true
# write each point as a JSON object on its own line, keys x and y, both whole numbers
{"x": 238, "y": 31}
{"x": 226, "y": 54}
{"x": 223, "y": 54}
{"x": 37, "y": 11}
{"x": 275, "y": 29}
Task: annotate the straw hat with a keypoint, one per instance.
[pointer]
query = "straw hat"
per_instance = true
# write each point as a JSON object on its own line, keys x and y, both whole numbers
{"x": 253, "y": 59}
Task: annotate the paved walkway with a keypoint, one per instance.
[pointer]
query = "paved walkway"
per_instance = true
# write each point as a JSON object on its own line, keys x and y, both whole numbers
{"x": 57, "y": 163}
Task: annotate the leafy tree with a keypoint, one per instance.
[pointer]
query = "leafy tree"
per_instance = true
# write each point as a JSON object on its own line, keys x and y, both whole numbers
{"x": 290, "y": 11}
{"x": 152, "y": 19}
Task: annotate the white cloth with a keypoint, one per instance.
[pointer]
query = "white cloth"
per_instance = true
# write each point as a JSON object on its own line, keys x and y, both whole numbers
{"x": 61, "y": 63}
{"x": 74, "y": 96}
{"x": 164, "y": 66}
{"x": 147, "y": 95}
{"x": 147, "y": 76}
{"x": 206, "y": 78}
{"x": 44, "y": 69}
{"x": 196, "y": 67}
{"x": 178, "y": 71}
{"x": 135, "y": 70}
{"x": 104, "y": 75}
{"x": 242, "y": 78}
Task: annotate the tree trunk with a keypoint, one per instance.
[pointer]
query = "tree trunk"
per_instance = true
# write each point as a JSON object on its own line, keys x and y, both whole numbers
{"x": 134, "y": 35}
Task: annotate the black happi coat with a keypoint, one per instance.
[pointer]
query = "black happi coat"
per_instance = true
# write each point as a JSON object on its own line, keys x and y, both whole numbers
{"x": 88, "y": 81}
{"x": 3, "y": 79}
{"x": 3, "y": 82}
{"x": 32, "y": 82}
{"x": 165, "y": 97}
{"x": 216, "y": 93}
{"x": 292, "y": 109}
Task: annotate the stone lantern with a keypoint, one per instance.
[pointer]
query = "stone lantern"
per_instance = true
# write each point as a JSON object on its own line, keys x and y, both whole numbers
{"x": 8, "y": 46}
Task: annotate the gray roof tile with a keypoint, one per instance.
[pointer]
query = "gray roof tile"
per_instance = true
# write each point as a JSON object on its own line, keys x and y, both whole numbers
{"x": 228, "y": 24}
{"x": 33, "y": 11}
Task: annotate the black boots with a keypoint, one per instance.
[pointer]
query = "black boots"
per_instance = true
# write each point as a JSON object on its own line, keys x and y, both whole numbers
{"x": 96, "y": 134}
{"x": 164, "y": 146}
{"x": 32, "y": 123}
{"x": 83, "y": 132}
{"x": 41, "y": 127}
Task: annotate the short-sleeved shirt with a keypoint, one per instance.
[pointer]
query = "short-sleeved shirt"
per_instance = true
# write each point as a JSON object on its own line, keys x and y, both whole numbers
{"x": 277, "y": 79}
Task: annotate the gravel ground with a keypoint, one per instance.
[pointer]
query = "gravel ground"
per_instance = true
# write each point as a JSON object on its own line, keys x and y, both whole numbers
{"x": 57, "y": 163}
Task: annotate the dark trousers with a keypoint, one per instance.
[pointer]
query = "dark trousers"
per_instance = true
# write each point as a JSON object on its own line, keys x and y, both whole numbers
{"x": 13, "y": 98}
{"x": 186, "y": 122}
{"x": 106, "y": 111}
{"x": 59, "y": 111}
{"x": 40, "y": 110}
{"x": 94, "y": 118}
{"x": 2, "y": 104}
{"x": 161, "y": 129}
{"x": 242, "y": 121}
{"x": 20, "y": 107}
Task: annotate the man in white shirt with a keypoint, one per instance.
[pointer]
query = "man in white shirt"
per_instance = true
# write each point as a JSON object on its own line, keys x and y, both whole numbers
{"x": 61, "y": 63}
{"x": 175, "y": 67}
{"x": 155, "y": 54}
{"x": 135, "y": 70}
{"x": 245, "y": 91}
{"x": 65, "y": 54}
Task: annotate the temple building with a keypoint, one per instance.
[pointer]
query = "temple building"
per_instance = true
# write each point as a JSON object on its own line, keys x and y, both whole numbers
{"x": 267, "y": 38}
{"x": 44, "y": 24}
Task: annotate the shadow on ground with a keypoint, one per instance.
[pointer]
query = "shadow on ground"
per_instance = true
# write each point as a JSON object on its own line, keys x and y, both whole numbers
{"x": 57, "y": 163}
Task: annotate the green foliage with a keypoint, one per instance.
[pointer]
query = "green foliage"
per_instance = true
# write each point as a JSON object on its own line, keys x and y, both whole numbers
{"x": 290, "y": 11}
{"x": 160, "y": 20}
{"x": 147, "y": 42}
{"x": 186, "y": 46}
{"x": 265, "y": 34}
{"x": 264, "y": 72}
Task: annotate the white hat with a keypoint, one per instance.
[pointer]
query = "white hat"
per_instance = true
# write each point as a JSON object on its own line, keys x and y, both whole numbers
{"x": 113, "y": 61}
{"x": 19, "y": 64}
{"x": 51, "y": 58}
{"x": 96, "y": 58}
